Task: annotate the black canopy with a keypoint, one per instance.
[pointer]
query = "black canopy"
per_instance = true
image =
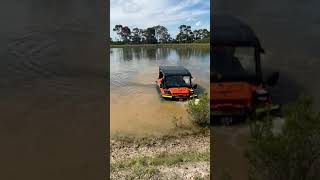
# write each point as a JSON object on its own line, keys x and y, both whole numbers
{"x": 230, "y": 31}
{"x": 174, "y": 70}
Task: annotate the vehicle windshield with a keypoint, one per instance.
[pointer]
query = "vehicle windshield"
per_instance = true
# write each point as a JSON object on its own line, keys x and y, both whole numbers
{"x": 233, "y": 64}
{"x": 178, "y": 81}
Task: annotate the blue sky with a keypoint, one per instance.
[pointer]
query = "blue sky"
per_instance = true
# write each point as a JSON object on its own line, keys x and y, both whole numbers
{"x": 168, "y": 13}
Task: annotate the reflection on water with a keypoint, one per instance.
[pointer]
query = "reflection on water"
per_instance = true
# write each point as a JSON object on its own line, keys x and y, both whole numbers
{"x": 136, "y": 106}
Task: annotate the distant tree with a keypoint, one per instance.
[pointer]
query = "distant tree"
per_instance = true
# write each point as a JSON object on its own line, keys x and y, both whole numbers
{"x": 126, "y": 34}
{"x": 136, "y": 36}
{"x": 201, "y": 34}
{"x": 118, "y": 29}
{"x": 149, "y": 35}
{"x": 185, "y": 34}
{"x": 161, "y": 33}
{"x": 205, "y": 33}
{"x": 196, "y": 34}
{"x": 123, "y": 32}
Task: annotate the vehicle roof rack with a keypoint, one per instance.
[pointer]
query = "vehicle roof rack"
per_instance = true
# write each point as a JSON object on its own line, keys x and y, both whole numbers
{"x": 230, "y": 31}
{"x": 174, "y": 70}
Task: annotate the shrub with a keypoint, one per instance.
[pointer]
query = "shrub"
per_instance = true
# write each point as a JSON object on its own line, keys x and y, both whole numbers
{"x": 205, "y": 40}
{"x": 292, "y": 154}
{"x": 199, "y": 112}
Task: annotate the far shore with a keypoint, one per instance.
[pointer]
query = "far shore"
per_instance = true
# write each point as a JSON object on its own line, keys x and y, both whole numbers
{"x": 180, "y": 45}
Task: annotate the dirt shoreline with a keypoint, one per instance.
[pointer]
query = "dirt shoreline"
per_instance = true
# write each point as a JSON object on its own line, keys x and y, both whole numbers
{"x": 126, "y": 149}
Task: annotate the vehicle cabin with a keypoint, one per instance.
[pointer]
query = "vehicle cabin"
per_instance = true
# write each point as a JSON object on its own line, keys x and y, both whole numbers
{"x": 237, "y": 85}
{"x": 175, "y": 82}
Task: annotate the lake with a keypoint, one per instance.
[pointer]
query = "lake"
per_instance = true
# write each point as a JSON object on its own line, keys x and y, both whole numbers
{"x": 136, "y": 106}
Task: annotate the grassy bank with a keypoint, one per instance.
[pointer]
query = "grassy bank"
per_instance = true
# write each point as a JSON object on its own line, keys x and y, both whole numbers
{"x": 142, "y": 166}
{"x": 184, "y": 45}
{"x": 161, "y": 159}
{"x": 173, "y": 155}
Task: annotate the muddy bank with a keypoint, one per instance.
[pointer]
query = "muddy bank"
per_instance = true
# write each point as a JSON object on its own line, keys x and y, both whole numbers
{"x": 165, "y": 149}
{"x": 230, "y": 144}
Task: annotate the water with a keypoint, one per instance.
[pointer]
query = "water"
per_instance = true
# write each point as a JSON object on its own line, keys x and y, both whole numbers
{"x": 136, "y": 107}
{"x": 53, "y": 90}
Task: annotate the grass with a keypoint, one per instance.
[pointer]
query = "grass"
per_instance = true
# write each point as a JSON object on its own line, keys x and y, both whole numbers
{"x": 146, "y": 164}
{"x": 178, "y": 45}
{"x": 198, "y": 178}
{"x": 291, "y": 152}
{"x": 199, "y": 112}
{"x": 140, "y": 172}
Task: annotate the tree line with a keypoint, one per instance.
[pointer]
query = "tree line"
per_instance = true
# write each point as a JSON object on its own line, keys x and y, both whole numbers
{"x": 159, "y": 34}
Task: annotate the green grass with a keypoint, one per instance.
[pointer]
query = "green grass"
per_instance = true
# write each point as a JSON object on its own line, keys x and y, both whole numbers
{"x": 198, "y": 178}
{"x": 140, "y": 163}
{"x": 140, "y": 172}
{"x": 182, "y": 45}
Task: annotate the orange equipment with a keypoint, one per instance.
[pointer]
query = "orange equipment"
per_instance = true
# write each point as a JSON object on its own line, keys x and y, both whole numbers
{"x": 237, "y": 88}
{"x": 175, "y": 82}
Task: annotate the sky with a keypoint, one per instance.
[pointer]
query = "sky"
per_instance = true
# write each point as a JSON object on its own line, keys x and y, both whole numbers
{"x": 168, "y": 13}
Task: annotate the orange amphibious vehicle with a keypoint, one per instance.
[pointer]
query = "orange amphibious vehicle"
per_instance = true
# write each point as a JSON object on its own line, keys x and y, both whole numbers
{"x": 237, "y": 88}
{"x": 175, "y": 83}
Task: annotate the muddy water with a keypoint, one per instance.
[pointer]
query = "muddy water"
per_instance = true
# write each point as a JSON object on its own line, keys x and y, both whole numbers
{"x": 52, "y": 90}
{"x": 289, "y": 33}
{"x": 136, "y": 107}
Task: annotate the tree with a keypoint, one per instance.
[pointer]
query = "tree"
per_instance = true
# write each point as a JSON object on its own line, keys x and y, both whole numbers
{"x": 149, "y": 35}
{"x": 185, "y": 34}
{"x": 293, "y": 153}
{"x": 201, "y": 34}
{"x": 124, "y": 32}
{"x": 196, "y": 34}
{"x": 136, "y": 37}
{"x": 161, "y": 33}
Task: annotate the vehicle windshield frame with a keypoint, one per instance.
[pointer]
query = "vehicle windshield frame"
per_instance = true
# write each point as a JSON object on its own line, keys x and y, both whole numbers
{"x": 250, "y": 77}
{"x": 178, "y": 86}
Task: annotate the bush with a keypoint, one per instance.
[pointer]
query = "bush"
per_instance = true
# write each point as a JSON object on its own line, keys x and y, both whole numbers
{"x": 292, "y": 154}
{"x": 199, "y": 112}
{"x": 205, "y": 40}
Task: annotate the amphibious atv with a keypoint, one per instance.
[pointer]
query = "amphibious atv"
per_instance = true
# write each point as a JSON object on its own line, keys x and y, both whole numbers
{"x": 175, "y": 83}
{"x": 237, "y": 88}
